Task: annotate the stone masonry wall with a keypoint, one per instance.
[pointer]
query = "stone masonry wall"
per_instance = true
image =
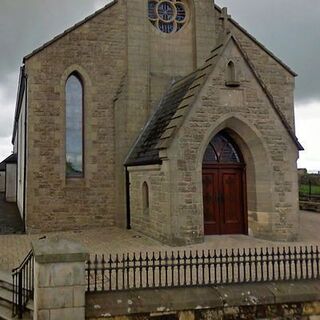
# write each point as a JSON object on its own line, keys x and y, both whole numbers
{"x": 97, "y": 50}
{"x": 276, "y": 205}
{"x": 154, "y": 60}
{"x": 154, "y": 222}
{"x": 277, "y": 300}
{"x": 280, "y": 82}
{"x": 301, "y": 311}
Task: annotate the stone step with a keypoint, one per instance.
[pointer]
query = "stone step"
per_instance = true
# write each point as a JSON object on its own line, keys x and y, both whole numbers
{"x": 5, "y": 304}
{"x": 30, "y": 305}
{"x": 5, "y": 313}
{"x": 6, "y": 298}
{"x": 5, "y": 295}
{"x": 5, "y": 277}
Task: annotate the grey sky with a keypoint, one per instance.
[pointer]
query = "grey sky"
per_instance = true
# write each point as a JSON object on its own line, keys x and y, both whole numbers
{"x": 289, "y": 28}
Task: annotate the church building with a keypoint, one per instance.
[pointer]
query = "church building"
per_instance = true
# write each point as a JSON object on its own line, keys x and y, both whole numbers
{"x": 164, "y": 116}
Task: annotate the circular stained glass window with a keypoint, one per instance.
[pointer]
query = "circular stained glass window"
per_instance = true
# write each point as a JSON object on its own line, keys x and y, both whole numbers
{"x": 167, "y": 16}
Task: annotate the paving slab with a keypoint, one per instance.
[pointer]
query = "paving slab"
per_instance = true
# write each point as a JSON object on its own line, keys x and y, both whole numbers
{"x": 13, "y": 248}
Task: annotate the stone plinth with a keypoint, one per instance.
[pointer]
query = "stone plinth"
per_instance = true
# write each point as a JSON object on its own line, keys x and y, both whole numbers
{"x": 59, "y": 279}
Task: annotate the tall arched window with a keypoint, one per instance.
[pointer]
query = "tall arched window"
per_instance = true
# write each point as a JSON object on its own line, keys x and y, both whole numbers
{"x": 145, "y": 198}
{"x": 74, "y": 127}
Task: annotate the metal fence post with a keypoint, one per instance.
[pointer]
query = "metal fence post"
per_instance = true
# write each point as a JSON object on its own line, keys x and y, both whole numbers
{"x": 20, "y": 307}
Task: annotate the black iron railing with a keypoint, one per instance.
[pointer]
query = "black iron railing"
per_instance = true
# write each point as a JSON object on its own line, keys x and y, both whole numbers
{"x": 183, "y": 269}
{"x": 23, "y": 285}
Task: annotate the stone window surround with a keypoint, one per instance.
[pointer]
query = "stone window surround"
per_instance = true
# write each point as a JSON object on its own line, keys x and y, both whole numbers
{"x": 231, "y": 75}
{"x": 79, "y": 78}
{"x": 70, "y": 183}
{"x": 178, "y": 25}
{"x": 145, "y": 198}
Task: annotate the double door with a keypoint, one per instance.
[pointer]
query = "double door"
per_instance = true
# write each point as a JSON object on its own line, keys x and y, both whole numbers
{"x": 224, "y": 199}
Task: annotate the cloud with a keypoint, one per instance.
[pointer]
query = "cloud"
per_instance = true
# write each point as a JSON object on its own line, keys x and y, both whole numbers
{"x": 307, "y": 128}
{"x": 7, "y": 101}
{"x": 290, "y": 29}
{"x": 24, "y": 26}
{"x": 5, "y": 147}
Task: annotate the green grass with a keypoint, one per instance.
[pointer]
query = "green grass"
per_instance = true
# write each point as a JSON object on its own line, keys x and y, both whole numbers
{"x": 304, "y": 189}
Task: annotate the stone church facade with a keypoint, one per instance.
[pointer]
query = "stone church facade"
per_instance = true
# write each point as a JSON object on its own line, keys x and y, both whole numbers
{"x": 186, "y": 127}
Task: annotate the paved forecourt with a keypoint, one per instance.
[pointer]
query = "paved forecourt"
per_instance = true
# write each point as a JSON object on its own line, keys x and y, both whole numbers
{"x": 114, "y": 240}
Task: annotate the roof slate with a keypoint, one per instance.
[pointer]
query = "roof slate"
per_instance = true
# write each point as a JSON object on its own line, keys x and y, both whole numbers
{"x": 13, "y": 158}
{"x": 170, "y": 114}
{"x": 2, "y": 166}
{"x": 175, "y": 104}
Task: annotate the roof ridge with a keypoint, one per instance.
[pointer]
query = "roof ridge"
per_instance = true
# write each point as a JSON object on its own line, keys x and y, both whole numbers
{"x": 255, "y": 40}
{"x": 75, "y": 26}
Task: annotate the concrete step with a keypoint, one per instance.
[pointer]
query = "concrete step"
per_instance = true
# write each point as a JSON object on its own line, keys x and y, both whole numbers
{"x": 5, "y": 280}
{"x": 5, "y": 295}
{"x": 5, "y": 313}
{"x": 30, "y": 305}
{"x": 6, "y": 298}
{"x": 5, "y": 277}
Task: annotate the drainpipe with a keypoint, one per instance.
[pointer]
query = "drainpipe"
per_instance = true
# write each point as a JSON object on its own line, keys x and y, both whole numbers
{"x": 128, "y": 199}
{"x": 25, "y": 153}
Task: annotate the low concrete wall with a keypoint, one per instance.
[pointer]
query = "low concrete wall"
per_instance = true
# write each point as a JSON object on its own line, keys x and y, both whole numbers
{"x": 310, "y": 206}
{"x": 310, "y": 203}
{"x": 282, "y": 300}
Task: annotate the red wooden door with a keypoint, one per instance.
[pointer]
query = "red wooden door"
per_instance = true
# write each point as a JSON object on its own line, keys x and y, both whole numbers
{"x": 223, "y": 199}
{"x": 210, "y": 180}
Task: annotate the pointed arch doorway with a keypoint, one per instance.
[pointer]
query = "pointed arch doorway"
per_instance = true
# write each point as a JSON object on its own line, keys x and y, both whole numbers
{"x": 224, "y": 187}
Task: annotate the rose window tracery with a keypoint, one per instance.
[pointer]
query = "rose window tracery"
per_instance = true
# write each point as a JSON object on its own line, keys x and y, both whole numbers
{"x": 168, "y": 16}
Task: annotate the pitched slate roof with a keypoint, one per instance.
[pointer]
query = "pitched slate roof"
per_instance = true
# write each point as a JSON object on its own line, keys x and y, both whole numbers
{"x": 169, "y": 114}
{"x": 146, "y": 150}
{"x": 13, "y": 158}
{"x": 2, "y": 166}
{"x": 175, "y": 104}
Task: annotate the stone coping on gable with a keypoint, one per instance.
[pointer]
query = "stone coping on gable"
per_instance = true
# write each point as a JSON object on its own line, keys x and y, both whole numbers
{"x": 148, "y": 301}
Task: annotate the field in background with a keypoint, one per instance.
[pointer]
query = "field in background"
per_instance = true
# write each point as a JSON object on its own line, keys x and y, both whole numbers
{"x": 309, "y": 189}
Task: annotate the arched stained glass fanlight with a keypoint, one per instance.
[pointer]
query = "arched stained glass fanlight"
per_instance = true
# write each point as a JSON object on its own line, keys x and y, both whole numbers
{"x": 168, "y": 16}
{"x": 221, "y": 149}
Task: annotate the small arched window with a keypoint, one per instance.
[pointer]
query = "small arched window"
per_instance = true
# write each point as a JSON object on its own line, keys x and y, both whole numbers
{"x": 231, "y": 75}
{"x": 145, "y": 198}
{"x": 74, "y": 126}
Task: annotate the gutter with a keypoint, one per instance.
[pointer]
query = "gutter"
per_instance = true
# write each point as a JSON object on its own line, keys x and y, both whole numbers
{"x": 25, "y": 153}
{"x": 128, "y": 199}
{"x": 21, "y": 89}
